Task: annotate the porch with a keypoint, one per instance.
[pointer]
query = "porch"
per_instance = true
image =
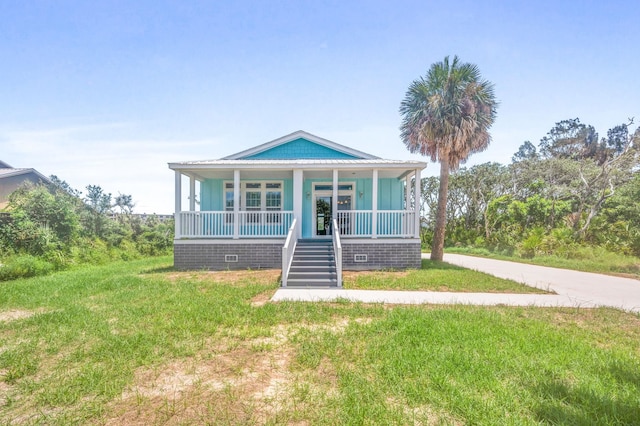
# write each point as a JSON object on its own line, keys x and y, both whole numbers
{"x": 270, "y": 224}
{"x": 379, "y": 202}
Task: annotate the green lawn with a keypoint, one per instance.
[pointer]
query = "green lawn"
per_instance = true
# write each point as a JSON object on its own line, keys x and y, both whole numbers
{"x": 139, "y": 343}
{"x": 434, "y": 276}
{"x": 587, "y": 259}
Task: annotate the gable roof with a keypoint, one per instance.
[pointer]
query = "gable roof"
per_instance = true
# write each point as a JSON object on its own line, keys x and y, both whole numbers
{"x": 8, "y": 172}
{"x": 4, "y": 165}
{"x": 300, "y": 134}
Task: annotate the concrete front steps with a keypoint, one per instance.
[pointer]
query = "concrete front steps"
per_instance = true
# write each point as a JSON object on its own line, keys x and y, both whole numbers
{"x": 313, "y": 265}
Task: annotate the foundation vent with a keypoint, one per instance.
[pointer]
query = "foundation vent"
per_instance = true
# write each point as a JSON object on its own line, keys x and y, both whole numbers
{"x": 360, "y": 258}
{"x": 230, "y": 257}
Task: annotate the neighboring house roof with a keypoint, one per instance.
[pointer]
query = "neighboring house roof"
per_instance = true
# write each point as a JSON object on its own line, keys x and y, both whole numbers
{"x": 11, "y": 179}
{"x": 262, "y": 151}
{"x": 7, "y": 172}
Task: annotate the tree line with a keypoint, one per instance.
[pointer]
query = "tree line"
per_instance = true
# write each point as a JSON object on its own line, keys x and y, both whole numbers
{"x": 53, "y": 226}
{"x": 573, "y": 188}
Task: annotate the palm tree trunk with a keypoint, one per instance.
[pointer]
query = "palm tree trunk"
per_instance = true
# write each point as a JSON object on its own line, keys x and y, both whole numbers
{"x": 437, "y": 248}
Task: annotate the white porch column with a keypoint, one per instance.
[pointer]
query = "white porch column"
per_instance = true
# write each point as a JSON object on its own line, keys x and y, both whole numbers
{"x": 297, "y": 199}
{"x": 407, "y": 188}
{"x": 236, "y": 204}
{"x": 417, "y": 202}
{"x": 334, "y": 198}
{"x": 178, "y": 203}
{"x": 374, "y": 204}
{"x": 192, "y": 194}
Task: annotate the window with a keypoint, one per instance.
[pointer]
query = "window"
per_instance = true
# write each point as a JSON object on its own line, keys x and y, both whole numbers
{"x": 257, "y": 197}
{"x": 228, "y": 202}
{"x": 253, "y": 197}
{"x": 273, "y": 201}
{"x": 329, "y": 187}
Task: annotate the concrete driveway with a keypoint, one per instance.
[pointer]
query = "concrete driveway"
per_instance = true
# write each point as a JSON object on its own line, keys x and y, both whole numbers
{"x": 586, "y": 288}
{"x": 574, "y": 289}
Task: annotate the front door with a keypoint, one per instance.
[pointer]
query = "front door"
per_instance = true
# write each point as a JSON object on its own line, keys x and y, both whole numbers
{"x": 323, "y": 215}
{"x": 322, "y": 208}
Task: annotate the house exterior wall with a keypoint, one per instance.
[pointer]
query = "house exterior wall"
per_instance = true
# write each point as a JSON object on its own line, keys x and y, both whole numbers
{"x": 11, "y": 183}
{"x": 299, "y": 148}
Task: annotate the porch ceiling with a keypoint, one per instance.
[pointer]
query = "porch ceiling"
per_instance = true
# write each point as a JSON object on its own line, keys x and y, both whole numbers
{"x": 272, "y": 169}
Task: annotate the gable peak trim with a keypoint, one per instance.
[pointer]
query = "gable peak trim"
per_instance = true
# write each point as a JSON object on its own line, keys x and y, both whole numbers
{"x": 300, "y": 134}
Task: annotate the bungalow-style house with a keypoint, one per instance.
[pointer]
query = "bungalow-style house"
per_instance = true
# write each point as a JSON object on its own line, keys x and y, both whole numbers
{"x": 11, "y": 179}
{"x": 301, "y": 203}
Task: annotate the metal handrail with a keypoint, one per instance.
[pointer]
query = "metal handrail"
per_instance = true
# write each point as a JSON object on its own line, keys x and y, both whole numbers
{"x": 337, "y": 249}
{"x": 287, "y": 251}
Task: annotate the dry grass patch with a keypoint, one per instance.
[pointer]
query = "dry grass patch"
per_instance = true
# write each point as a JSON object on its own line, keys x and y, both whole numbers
{"x": 261, "y": 299}
{"x": 423, "y": 415}
{"x": 225, "y": 277}
{"x": 240, "y": 384}
{"x": 16, "y": 314}
{"x": 248, "y": 382}
{"x": 251, "y": 381}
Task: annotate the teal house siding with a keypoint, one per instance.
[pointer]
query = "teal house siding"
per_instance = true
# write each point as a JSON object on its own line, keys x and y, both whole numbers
{"x": 390, "y": 194}
{"x": 212, "y": 193}
{"x": 211, "y": 198}
{"x": 299, "y": 149}
{"x": 306, "y": 208}
{"x": 287, "y": 194}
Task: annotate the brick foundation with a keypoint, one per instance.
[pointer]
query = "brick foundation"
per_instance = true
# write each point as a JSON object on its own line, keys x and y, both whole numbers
{"x": 381, "y": 255}
{"x": 212, "y": 256}
{"x": 251, "y": 255}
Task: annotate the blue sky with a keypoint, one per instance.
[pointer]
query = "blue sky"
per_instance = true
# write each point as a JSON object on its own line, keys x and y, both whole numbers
{"x": 109, "y": 92}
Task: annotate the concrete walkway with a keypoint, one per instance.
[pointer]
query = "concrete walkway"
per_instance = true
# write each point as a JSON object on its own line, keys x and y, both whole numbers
{"x": 574, "y": 289}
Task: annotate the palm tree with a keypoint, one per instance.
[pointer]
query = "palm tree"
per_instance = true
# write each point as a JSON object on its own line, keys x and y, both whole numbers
{"x": 446, "y": 115}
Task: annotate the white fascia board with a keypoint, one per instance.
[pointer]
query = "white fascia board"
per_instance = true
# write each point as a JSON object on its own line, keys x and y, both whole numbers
{"x": 246, "y": 165}
{"x": 297, "y": 135}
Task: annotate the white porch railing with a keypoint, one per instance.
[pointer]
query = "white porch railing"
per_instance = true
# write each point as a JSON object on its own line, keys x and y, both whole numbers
{"x": 392, "y": 223}
{"x": 264, "y": 224}
{"x": 210, "y": 224}
{"x": 337, "y": 251}
{"x": 389, "y": 223}
{"x": 276, "y": 224}
{"x": 287, "y": 251}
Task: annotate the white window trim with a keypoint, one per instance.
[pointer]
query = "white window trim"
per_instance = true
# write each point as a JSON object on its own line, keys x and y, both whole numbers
{"x": 263, "y": 193}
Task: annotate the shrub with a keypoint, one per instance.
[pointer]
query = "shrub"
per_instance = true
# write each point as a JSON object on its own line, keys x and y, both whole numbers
{"x": 530, "y": 245}
{"x": 24, "y": 266}
{"x": 94, "y": 251}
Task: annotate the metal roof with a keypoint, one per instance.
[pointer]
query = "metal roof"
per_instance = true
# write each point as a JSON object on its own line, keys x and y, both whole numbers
{"x": 297, "y": 164}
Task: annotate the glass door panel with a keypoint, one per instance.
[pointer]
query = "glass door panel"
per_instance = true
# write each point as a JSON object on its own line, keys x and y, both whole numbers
{"x": 323, "y": 215}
